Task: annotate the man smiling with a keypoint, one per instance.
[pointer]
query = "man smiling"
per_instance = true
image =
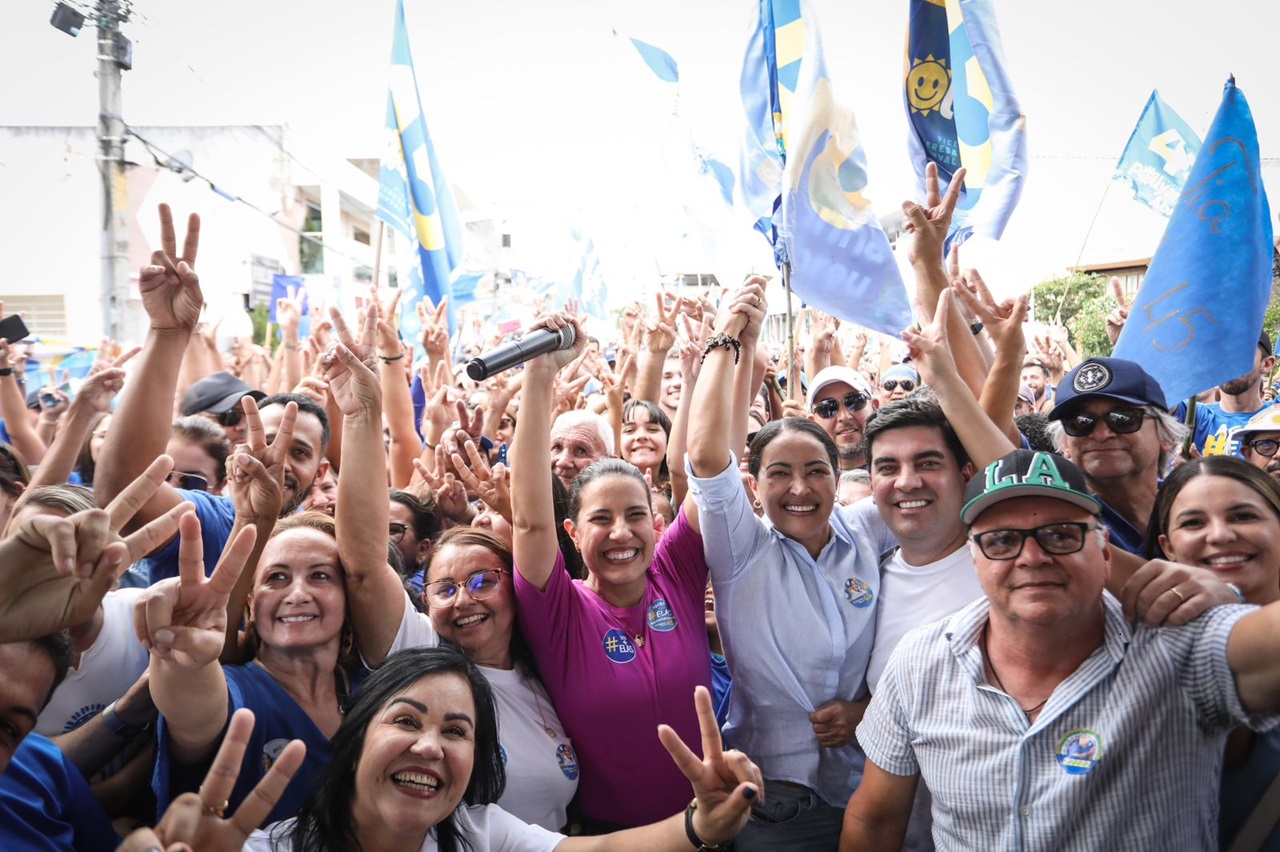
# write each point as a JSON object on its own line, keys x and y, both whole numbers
{"x": 839, "y": 401}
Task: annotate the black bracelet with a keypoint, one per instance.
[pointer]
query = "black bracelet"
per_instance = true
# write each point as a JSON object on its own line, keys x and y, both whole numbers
{"x": 6, "y": 371}
{"x": 387, "y": 360}
{"x": 700, "y": 844}
{"x": 976, "y": 328}
{"x": 721, "y": 340}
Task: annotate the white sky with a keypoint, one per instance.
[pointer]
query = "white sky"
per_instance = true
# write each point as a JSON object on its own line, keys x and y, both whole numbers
{"x": 541, "y": 117}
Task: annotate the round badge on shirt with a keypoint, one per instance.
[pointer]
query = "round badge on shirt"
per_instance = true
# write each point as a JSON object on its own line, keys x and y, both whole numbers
{"x": 618, "y": 646}
{"x": 858, "y": 593}
{"x": 1079, "y": 751}
{"x": 661, "y": 618}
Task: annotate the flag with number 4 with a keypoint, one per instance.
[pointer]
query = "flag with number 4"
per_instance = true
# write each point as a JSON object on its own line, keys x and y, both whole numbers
{"x": 1196, "y": 319}
{"x": 1158, "y": 158}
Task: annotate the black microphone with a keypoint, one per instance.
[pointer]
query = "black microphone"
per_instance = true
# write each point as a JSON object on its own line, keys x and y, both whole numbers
{"x": 537, "y": 342}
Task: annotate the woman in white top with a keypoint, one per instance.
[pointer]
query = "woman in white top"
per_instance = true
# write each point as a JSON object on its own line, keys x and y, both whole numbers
{"x": 416, "y": 765}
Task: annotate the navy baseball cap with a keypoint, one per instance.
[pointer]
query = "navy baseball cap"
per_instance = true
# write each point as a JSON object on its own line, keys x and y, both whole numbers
{"x": 1027, "y": 473}
{"x": 1107, "y": 378}
{"x": 1264, "y": 341}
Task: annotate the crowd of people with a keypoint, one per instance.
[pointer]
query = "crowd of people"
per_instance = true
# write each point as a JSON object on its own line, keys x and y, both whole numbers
{"x": 332, "y": 595}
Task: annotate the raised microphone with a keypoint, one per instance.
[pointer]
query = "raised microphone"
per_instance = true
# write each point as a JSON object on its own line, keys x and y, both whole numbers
{"x": 540, "y": 341}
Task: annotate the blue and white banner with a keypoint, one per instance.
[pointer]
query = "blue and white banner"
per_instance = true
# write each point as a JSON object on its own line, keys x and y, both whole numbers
{"x": 1156, "y": 162}
{"x": 1197, "y": 316}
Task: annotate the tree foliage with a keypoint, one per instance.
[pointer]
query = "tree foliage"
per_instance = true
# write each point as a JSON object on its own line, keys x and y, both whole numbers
{"x": 1080, "y": 301}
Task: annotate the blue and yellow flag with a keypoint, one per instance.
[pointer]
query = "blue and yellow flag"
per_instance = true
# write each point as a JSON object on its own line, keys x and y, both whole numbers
{"x": 413, "y": 197}
{"x": 963, "y": 112}
{"x": 1196, "y": 319}
{"x": 1158, "y": 158}
{"x": 770, "y": 72}
{"x": 841, "y": 262}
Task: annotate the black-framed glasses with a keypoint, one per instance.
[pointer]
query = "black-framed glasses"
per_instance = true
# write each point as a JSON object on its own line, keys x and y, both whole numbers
{"x": 829, "y": 408}
{"x": 396, "y": 532}
{"x": 1122, "y": 421}
{"x": 1055, "y": 539}
{"x": 187, "y": 481}
{"x": 1263, "y": 446}
{"x": 480, "y": 585}
{"x": 892, "y": 385}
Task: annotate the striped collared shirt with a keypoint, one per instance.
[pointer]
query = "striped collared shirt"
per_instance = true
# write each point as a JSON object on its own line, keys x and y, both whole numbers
{"x": 1126, "y": 754}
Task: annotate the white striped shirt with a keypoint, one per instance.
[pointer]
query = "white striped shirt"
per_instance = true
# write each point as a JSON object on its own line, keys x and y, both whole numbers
{"x": 1126, "y": 754}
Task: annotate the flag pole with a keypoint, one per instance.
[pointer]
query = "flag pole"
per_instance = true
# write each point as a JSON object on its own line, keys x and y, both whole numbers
{"x": 1190, "y": 421}
{"x": 377, "y": 256}
{"x": 1057, "y": 316}
{"x": 793, "y": 366}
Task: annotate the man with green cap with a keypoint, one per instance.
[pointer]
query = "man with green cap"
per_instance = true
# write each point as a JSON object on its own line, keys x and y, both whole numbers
{"x": 1038, "y": 716}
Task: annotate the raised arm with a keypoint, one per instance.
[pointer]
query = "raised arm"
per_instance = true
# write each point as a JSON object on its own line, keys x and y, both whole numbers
{"x": 1003, "y": 324}
{"x": 713, "y": 398}
{"x": 141, "y": 426}
{"x": 532, "y": 508}
{"x": 13, "y": 405}
{"x": 181, "y": 621}
{"x": 93, "y": 399}
{"x": 375, "y": 597}
{"x": 659, "y": 337}
{"x": 1251, "y": 651}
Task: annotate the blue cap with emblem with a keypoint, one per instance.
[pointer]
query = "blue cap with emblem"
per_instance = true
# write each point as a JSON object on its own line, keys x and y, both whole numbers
{"x": 1107, "y": 378}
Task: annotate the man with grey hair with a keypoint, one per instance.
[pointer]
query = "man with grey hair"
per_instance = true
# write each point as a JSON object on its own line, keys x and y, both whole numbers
{"x": 1110, "y": 418}
{"x": 577, "y": 439}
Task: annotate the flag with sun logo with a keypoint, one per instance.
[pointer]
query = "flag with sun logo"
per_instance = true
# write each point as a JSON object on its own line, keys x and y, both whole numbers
{"x": 963, "y": 112}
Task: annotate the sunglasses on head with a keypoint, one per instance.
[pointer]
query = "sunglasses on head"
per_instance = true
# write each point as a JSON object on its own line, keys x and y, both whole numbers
{"x": 828, "y": 408}
{"x": 892, "y": 384}
{"x": 1122, "y": 421}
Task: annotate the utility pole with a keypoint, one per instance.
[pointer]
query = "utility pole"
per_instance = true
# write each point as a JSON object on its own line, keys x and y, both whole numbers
{"x": 115, "y": 55}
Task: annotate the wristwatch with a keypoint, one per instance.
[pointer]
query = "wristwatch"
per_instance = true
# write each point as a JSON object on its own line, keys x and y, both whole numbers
{"x": 115, "y": 724}
{"x": 700, "y": 844}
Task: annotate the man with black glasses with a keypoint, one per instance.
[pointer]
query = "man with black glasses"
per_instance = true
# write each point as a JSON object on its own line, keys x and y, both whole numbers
{"x": 1110, "y": 418}
{"x": 1260, "y": 440}
{"x": 1039, "y": 715}
{"x": 840, "y": 401}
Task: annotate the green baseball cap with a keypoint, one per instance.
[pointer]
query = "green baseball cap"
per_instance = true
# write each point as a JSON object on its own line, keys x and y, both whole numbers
{"x": 1027, "y": 473}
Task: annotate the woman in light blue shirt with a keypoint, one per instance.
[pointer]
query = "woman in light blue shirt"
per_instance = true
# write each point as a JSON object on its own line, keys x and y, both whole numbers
{"x": 795, "y": 592}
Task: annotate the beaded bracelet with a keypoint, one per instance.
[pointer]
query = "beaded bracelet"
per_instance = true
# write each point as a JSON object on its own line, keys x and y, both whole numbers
{"x": 722, "y": 340}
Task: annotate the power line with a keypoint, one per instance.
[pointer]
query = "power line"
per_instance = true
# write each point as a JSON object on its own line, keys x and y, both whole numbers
{"x": 188, "y": 172}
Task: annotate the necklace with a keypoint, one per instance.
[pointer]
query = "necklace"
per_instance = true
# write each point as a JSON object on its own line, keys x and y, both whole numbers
{"x": 991, "y": 665}
{"x": 536, "y": 689}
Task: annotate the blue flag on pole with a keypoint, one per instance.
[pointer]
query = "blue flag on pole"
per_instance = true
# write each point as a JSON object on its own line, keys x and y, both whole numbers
{"x": 770, "y": 72}
{"x": 413, "y": 196}
{"x": 963, "y": 112}
{"x": 1158, "y": 158}
{"x": 841, "y": 262}
{"x": 1196, "y": 319}
{"x": 658, "y": 60}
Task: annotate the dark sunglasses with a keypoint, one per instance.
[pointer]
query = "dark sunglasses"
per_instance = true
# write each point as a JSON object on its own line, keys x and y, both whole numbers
{"x": 892, "y": 384}
{"x": 231, "y": 417}
{"x": 1263, "y": 446}
{"x": 1122, "y": 421}
{"x": 828, "y": 408}
{"x": 187, "y": 481}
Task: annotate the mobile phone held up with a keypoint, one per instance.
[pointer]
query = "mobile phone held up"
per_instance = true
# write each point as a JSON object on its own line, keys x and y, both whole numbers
{"x": 13, "y": 329}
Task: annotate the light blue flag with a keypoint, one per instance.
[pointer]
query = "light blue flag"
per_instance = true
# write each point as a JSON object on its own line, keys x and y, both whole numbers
{"x": 963, "y": 112}
{"x": 770, "y": 71}
{"x": 463, "y": 285}
{"x": 1196, "y": 319}
{"x": 413, "y": 197}
{"x": 1158, "y": 158}
{"x": 658, "y": 60}
{"x": 840, "y": 258}
{"x": 587, "y": 284}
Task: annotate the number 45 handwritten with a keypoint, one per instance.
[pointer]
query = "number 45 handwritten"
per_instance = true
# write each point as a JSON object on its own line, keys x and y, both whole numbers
{"x": 1184, "y": 317}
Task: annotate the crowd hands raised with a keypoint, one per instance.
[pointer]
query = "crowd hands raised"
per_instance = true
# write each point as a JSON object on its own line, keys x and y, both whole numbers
{"x": 339, "y": 596}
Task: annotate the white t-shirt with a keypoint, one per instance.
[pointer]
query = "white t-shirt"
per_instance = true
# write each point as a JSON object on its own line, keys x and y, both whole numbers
{"x": 542, "y": 770}
{"x": 912, "y": 596}
{"x": 107, "y": 669}
{"x": 486, "y": 828}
